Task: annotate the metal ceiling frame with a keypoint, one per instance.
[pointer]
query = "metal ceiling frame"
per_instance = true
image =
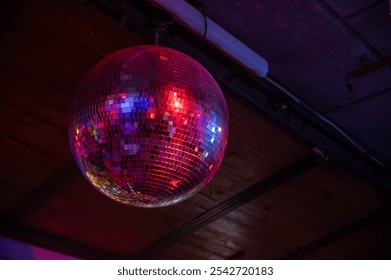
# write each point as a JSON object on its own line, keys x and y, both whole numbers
{"x": 293, "y": 114}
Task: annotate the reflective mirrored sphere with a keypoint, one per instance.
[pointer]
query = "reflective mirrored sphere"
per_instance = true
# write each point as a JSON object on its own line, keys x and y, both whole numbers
{"x": 148, "y": 126}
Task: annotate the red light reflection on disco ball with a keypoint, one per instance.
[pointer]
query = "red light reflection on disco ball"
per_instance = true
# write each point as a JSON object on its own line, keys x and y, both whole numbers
{"x": 148, "y": 126}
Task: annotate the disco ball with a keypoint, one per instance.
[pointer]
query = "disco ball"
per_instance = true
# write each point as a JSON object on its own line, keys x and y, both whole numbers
{"x": 148, "y": 126}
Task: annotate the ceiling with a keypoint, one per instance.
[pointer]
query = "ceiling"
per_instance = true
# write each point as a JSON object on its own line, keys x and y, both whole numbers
{"x": 272, "y": 197}
{"x": 312, "y": 46}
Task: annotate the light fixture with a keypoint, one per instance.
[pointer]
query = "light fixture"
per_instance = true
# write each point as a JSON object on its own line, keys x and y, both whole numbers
{"x": 148, "y": 126}
{"x": 215, "y": 35}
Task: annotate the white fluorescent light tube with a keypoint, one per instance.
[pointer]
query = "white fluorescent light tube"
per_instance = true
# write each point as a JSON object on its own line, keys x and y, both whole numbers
{"x": 216, "y": 36}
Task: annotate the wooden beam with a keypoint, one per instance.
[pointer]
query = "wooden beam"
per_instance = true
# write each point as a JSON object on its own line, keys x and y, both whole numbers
{"x": 251, "y": 193}
{"x": 341, "y": 233}
{"x": 41, "y": 194}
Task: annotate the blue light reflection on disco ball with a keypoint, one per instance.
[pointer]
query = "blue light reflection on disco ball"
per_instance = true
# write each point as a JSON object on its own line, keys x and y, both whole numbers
{"x": 148, "y": 126}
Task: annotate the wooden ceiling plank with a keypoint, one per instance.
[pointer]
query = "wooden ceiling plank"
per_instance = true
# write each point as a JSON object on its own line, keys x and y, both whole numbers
{"x": 84, "y": 23}
{"x": 46, "y": 140}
